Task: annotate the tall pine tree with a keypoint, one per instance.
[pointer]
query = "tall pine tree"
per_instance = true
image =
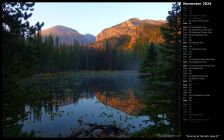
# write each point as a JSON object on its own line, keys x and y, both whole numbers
{"x": 172, "y": 56}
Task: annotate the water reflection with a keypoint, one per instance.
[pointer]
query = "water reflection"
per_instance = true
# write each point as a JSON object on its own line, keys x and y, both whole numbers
{"x": 73, "y": 117}
{"x": 162, "y": 105}
{"x": 63, "y": 104}
{"x": 78, "y": 100}
{"x": 130, "y": 104}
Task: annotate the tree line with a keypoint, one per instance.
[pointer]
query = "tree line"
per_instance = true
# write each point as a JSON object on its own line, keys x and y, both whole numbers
{"x": 55, "y": 57}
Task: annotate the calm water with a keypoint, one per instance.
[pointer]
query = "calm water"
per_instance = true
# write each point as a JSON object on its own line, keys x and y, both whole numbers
{"x": 77, "y": 99}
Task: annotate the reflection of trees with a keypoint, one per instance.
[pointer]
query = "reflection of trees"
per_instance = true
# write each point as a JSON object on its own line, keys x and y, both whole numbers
{"x": 160, "y": 100}
{"x": 16, "y": 95}
{"x": 29, "y": 99}
{"x": 160, "y": 108}
{"x": 130, "y": 104}
{"x": 24, "y": 100}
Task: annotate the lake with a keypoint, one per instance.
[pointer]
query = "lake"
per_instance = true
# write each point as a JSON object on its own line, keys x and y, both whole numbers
{"x": 79, "y": 99}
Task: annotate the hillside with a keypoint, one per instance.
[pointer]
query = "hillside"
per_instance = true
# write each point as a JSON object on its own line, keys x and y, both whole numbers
{"x": 68, "y": 35}
{"x": 132, "y": 31}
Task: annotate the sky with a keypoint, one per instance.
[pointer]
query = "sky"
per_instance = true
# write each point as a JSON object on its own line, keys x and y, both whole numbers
{"x": 92, "y": 18}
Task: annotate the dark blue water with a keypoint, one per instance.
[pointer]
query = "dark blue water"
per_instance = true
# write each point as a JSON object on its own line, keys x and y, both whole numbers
{"x": 106, "y": 98}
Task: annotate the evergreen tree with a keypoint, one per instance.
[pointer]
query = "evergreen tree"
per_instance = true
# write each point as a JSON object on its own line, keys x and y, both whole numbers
{"x": 171, "y": 53}
{"x": 50, "y": 40}
{"x": 16, "y": 31}
{"x": 150, "y": 61}
{"x": 57, "y": 41}
{"x": 172, "y": 48}
{"x": 19, "y": 59}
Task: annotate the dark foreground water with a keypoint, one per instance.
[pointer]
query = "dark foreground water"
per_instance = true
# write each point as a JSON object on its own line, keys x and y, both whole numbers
{"x": 62, "y": 104}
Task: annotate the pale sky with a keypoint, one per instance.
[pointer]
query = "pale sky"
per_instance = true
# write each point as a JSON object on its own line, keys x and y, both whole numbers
{"x": 94, "y": 17}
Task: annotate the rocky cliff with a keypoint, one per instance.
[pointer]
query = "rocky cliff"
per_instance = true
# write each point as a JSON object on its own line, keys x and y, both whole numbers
{"x": 135, "y": 30}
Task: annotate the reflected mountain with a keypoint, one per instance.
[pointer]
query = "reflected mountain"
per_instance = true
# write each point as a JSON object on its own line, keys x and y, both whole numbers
{"x": 130, "y": 104}
{"x": 65, "y": 102}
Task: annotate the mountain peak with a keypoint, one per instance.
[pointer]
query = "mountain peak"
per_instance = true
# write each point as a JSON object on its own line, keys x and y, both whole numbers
{"x": 67, "y": 35}
{"x": 134, "y": 19}
{"x": 137, "y": 21}
{"x": 63, "y": 29}
{"x": 133, "y": 22}
{"x": 58, "y": 26}
{"x": 134, "y": 29}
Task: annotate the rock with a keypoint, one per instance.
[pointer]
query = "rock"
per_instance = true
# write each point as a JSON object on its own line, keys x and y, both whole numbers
{"x": 123, "y": 136}
{"x": 82, "y": 135}
{"x": 100, "y": 131}
{"x": 95, "y": 133}
{"x": 111, "y": 135}
{"x": 88, "y": 129}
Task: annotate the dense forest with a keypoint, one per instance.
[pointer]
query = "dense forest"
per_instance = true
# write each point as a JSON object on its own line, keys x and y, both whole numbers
{"x": 26, "y": 54}
{"x": 55, "y": 57}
